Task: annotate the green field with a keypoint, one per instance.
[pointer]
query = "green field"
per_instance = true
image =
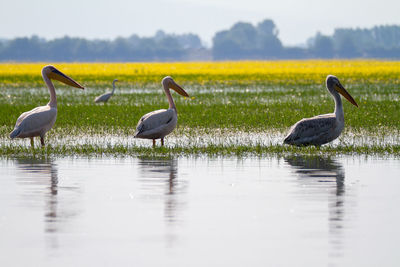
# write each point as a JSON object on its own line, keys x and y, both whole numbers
{"x": 263, "y": 111}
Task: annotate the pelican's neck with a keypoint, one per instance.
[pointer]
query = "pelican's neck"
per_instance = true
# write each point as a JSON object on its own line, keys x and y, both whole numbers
{"x": 169, "y": 97}
{"x": 112, "y": 92}
{"x": 338, "y": 105}
{"x": 53, "y": 98}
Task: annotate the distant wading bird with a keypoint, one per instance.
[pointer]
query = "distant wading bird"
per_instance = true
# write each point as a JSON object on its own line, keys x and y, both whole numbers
{"x": 105, "y": 97}
{"x": 39, "y": 120}
{"x": 325, "y": 128}
{"x": 159, "y": 123}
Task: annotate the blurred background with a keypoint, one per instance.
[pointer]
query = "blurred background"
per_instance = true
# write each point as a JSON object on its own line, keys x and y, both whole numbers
{"x": 187, "y": 30}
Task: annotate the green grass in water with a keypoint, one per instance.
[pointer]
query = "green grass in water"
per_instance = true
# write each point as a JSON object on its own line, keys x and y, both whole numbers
{"x": 247, "y": 108}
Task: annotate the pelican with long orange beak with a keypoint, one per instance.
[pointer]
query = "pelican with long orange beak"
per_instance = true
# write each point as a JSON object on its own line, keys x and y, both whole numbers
{"x": 160, "y": 123}
{"x": 38, "y": 121}
{"x": 325, "y": 128}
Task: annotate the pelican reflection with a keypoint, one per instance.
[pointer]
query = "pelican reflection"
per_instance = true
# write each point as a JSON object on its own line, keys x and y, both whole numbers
{"x": 320, "y": 169}
{"x": 324, "y": 177}
{"x": 38, "y": 178}
{"x": 159, "y": 180}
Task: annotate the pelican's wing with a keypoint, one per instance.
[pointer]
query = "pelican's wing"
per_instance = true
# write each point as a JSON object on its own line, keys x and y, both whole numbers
{"x": 154, "y": 120}
{"x": 315, "y": 130}
{"x": 34, "y": 121}
{"x": 25, "y": 114}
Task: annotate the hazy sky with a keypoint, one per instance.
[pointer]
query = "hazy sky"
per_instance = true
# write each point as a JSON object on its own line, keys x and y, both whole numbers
{"x": 296, "y": 20}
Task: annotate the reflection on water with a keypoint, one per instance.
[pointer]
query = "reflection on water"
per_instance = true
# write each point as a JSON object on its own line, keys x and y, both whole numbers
{"x": 159, "y": 179}
{"x": 37, "y": 174}
{"x": 160, "y": 172}
{"x": 324, "y": 175}
{"x": 295, "y": 211}
{"x": 39, "y": 180}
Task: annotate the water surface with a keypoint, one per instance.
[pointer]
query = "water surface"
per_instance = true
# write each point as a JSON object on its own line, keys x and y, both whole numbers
{"x": 292, "y": 211}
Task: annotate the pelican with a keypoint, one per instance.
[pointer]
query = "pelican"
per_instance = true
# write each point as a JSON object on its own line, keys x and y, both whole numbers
{"x": 325, "y": 128}
{"x": 105, "y": 97}
{"x": 159, "y": 123}
{"x": 38, "y": 121}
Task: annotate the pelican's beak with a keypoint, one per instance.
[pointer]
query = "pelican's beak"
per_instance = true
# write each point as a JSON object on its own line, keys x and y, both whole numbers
{"x": 178, "y": 89}
{"x": 343, "y": 92}
{"x": 59, "y": 76}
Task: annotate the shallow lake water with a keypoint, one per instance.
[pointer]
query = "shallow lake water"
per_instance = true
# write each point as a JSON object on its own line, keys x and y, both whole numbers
{"x": 288, "y": 211}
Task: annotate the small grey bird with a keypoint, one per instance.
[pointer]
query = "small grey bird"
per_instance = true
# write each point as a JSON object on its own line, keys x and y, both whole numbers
{"x": 105, "y": 97}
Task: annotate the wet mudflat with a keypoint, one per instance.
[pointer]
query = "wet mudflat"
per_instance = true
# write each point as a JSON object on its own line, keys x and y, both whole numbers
{"x": 200, "y": 211}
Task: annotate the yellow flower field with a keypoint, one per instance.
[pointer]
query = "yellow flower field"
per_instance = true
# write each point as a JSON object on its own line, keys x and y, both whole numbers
{"x": 227, "y": 72}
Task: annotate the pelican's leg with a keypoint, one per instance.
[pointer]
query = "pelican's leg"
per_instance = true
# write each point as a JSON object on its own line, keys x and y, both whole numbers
{"x": 162, "y": 141}
{"x": 154, "y": 142}
{"x": 32, "y": 142}
{"x": 42, "y": 140}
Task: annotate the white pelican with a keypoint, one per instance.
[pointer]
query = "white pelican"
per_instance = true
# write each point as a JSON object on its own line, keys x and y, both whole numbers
{"x": 38, "y": 121}
{"x": 159, "y": 123}
{"x": 105, "y": 97}
{"x": 325, "y": 128}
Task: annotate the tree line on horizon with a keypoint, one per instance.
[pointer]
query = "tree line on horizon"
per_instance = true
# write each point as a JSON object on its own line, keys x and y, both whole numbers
{"x": 241, "y": 41}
